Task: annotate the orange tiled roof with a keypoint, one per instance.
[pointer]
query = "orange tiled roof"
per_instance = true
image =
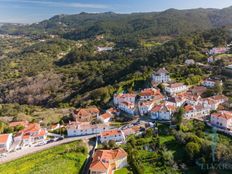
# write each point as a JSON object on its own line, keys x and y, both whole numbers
{"x": 3, "y": 138}
{"x": 188, "y": 108}
{"x": 104, "y": 160}
{"x": 112, "y": 110}
{"x": 157, "y": 108}
{"x": 162, "y": 106}
{"x": 149, "y": 92}
{"x": 219, "y": 97}
{"x": 17, "y": 123}
{"x": 175, "y": 85}
{"x": 111, "y": 133}
{"x": 127, "y": 95}
{"x": 146, "y": 103}
{"x": 32, "y": 127}
{"x": 105, "y": 116}
{"x": 41, "y": 133}
{"x": 128, "y": 104}
{"x": 86, "y": 111}
{"x": 223, "y": 114}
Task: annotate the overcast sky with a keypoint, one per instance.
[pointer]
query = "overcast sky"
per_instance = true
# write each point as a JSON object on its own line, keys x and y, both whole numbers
{"x": 28, "y": 11}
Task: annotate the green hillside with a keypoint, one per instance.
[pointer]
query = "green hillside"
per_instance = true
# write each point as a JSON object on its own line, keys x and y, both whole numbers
{"x": 112, "y": 25}
{"x": 59, "y": 72}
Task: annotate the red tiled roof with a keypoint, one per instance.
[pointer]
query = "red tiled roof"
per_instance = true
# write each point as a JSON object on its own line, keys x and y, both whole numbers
{"x": 32, "y": 127}
{"x": 127, "y": 95}
{"x": 86, "y": 111}
{"x": 162, "y": 106}
{"x": 104, "y": 160}
{"x": 111, "y": 133}
{"x": 220, "y": 97}
{"x": 188, "y": 108}
{"x": 156, "y": 108}
{"x": 19, "y": 123}
{"x": 223, "y": 114}
{"x": 105, "y": 116}
{"x": 41, "y": 133}
{"x": 112, "y": 110}
{"x": 175, "y": 85}
{"x": 3, "y": 138}
{"x": 149, "y": 92}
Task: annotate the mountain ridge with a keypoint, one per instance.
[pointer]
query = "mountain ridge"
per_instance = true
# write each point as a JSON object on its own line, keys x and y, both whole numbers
{"x": 146, "y": 24}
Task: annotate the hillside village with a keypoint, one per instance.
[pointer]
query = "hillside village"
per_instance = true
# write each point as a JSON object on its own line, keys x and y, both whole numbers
{"x": 132, "y": 114}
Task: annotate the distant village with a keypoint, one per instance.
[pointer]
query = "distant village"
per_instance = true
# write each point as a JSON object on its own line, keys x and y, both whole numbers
{"x": 142, "y": 108}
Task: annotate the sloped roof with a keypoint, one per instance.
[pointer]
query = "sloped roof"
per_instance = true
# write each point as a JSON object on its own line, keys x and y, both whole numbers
{"x": 223, "y": 114}
{"x": 85, "y": 112}
{"x": 162, "y": 71}
{"x": 111, "y": 133}
{"x": 3, "y": 138}
{"x": 104, "y": 159}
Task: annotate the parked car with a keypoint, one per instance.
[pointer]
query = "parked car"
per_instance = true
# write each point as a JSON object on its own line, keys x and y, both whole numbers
{"x": 50, "y": 141}
{"x": 3, "y": 155}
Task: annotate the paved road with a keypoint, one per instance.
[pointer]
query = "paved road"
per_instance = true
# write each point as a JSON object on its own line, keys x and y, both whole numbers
{"x": 29, "y": 150}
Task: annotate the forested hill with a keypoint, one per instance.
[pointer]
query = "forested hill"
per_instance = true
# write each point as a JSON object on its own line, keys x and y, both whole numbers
{"x": 61, "y": 72}
{"x": 169, "y": 22}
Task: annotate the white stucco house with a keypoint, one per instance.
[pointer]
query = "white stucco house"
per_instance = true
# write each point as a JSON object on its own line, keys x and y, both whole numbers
{"x": 145, "y": 106}
{"x": 161, "y": 76}
{"x": 6, "y": 141}
{"x": 115, "y": 135}
{"x": 127, "y": 107}
{"x": 82, "y": 129}
{"x": 222, "y": 119}
{"x": 189, "y": 62}
{"x": 198, "y": 111}
{"x": 210, "y": 83}
{"x": 163, "y": 111}
{"x": 175, "y": 88}
{"x": 128, "y": 97}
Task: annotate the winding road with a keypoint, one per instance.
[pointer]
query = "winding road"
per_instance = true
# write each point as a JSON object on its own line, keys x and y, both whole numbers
{"x": 30, "y": 150}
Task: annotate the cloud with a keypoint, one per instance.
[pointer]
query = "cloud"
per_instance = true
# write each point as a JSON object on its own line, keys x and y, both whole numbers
{"x": 61, "y": 4}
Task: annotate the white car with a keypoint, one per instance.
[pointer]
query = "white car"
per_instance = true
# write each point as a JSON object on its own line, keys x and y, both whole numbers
{"x": 3, "y": 155}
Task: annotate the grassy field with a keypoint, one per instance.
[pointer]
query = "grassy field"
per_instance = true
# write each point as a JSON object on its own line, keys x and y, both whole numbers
{"x": 122, "y": 171}
{"x": 63, "y": 159}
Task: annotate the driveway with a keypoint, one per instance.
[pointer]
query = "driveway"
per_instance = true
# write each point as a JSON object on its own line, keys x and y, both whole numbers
{"x": 29, "y": 150}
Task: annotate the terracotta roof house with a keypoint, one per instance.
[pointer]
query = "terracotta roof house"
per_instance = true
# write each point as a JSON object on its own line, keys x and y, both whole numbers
{"x": 175, "y": 88}
{"x": 6, "y": 141}
{"x": 33, "y": 133}
{"x": 128, "y": 97}
{"x": 197, "y": 90}
{"x": 151, "y": 94}
{"x": 107, "y": 161}
{"x": 105, "y": 117}
{"x": 197, "y": 111}
{"x": 115, "y": 135}
{"x": 163, "y": 111}
{"x": 127, "y": 107}
{"x": 85, "y": 114}
{"x": 222, "y": 119}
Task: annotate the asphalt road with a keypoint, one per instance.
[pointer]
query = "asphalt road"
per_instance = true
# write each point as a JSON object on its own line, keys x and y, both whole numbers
{"x": 30, "y": 150}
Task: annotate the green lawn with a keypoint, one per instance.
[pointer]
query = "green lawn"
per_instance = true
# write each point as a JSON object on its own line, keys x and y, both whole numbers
{"x": 63, "y": 159}
{"x": 122, "y": 171}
